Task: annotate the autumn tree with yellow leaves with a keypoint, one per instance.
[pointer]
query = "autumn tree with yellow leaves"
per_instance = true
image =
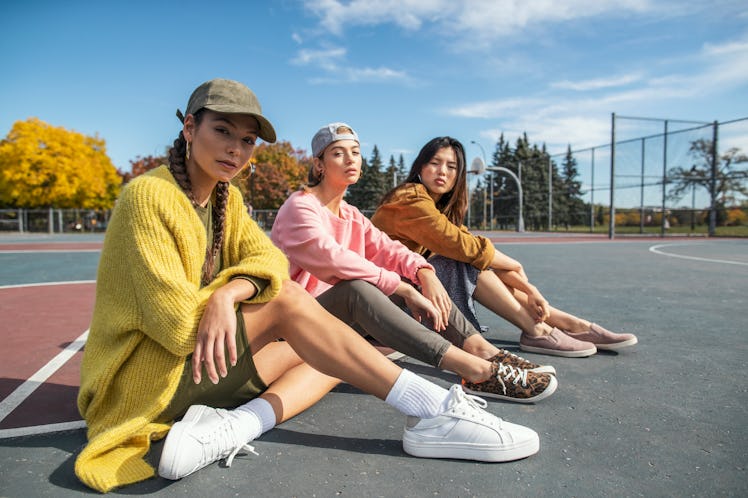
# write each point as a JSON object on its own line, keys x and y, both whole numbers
{"x": 48, "y": 166}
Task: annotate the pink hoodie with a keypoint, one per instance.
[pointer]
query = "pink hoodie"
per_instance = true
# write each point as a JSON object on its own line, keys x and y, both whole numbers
{"x": 324, "y": 249}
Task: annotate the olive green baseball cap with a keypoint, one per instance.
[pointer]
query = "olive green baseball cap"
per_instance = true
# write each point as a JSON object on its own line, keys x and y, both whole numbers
{"x": 229, "y": 96}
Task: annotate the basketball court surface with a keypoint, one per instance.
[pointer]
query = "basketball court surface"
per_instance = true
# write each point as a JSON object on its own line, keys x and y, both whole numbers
{"x": 666, "y": 418}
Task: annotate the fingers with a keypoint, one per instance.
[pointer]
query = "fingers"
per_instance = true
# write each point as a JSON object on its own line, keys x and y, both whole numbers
{"x": 210, "y": 353}
{"x": 231, "y": 344}
{"x": 446, "y": 307}
{"x": 209, "y": 362}
{"x": 197, "y": 363}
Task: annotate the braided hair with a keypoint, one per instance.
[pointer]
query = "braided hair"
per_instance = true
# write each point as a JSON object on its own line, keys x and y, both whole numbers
{"x": 178, "y": 168}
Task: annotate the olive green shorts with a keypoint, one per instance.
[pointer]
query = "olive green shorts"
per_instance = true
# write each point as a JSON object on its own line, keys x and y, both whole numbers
{"x": 241, "y": 384}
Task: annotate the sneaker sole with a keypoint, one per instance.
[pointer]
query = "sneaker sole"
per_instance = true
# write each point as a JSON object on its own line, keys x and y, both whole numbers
{"x": 558, "y": 352}
{"x": 552, "y": 385}
{"x": 617, "y": 345}
{"x": 468, "y": 451}
{"x": 170, "y": 452}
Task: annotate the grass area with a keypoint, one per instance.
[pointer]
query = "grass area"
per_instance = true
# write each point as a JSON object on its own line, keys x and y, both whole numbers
{"x": 721, "y": 231}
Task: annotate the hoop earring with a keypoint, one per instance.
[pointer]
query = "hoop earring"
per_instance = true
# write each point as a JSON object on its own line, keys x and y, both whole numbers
{"x": 187, "y": 152}
{"x": 419, "y": 178}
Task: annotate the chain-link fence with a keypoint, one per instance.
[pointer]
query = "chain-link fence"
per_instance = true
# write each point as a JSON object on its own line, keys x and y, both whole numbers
{"x": 664, "y": 181}
{"x": 53, "y": 220}
{"x": 82, "y": 220}
{"x": 657, "y": 176}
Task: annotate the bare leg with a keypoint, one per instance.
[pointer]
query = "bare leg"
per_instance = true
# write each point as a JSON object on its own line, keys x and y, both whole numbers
{"x": 558, "y": 318}
{"x": 477, "y": 345}
{"x": 320, "y": 339}
{"x": 492, "y": 293}
{"x": 466, "y": 365}
{"x": 293, "y": 386}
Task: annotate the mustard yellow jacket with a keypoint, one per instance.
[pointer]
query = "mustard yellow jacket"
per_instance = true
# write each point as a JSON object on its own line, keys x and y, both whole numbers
{"x": 148, "y": 306}
{"x": 411, "y": 216}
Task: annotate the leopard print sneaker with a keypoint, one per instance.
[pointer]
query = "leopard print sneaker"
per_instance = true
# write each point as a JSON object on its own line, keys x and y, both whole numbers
{"x": 513, "y": 384}
{"x": 512, "y": 359}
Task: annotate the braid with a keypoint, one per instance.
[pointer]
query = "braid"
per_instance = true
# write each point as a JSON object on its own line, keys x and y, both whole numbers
{"x": 178, "y": 169}
{"x": 219, "y": 218}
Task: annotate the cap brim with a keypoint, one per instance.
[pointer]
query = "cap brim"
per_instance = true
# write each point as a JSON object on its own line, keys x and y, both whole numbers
{"x": 266, "y": 132}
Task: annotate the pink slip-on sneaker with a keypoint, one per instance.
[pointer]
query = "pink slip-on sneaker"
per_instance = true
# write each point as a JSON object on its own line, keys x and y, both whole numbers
{"x": 604, "y": 338}
{"x": 557, "y": 344}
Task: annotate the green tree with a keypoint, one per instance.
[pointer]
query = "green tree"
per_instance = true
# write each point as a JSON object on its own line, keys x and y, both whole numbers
{"x": 730, "y": 180}
{"x": 391, "y": 174}
{"x": 505, "y": 196}
{"x": 48, "y": 166}
{"x": 367, "y": 192}
{"x": 532, "y": 169}
{"x": 572, "y": 210}
{"x": 402, "y": 171}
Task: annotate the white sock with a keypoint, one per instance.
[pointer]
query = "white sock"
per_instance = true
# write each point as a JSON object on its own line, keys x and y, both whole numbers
{"x": 413, "y": 395}
{"x": 257, "y": 416}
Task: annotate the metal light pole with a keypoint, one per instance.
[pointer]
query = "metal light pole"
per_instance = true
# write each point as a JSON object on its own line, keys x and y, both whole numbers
{"x": 476, "y": 167}
{"x": 483, "y": 153}
{"x": 520, "y": 218}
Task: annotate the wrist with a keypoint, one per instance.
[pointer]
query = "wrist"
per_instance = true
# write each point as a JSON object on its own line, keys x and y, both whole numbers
{"x": 235, "y": 291}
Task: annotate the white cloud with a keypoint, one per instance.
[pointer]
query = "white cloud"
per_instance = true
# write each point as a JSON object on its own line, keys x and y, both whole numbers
{"x": 568, "y": 112}
{"x": 469, "y": 22}
{"x": 324, "y": 57}
{"x": 336, "y": 16}
{"x": 360, "y": 75}
{"x": 596, "y": 84}
{"x": 333, "y": 62}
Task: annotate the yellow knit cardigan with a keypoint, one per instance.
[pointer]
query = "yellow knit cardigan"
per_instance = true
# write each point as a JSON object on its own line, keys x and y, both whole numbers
{"x": 148, "y": 306}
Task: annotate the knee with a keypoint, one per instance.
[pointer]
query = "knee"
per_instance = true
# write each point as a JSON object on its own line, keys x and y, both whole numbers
{"x": 293, "y": 298}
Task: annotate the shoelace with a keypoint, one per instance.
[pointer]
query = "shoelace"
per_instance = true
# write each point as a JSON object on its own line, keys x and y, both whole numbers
{"x": 472, "y": 401}
{"x": 246, "y": 447}
{"x": 476, "y": 405}
{"x": 223, "y": 444}
{"x": 509, "y": 372}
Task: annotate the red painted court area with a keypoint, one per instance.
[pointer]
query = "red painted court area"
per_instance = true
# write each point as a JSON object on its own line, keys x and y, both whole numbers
{"x": 38, "y": 323}
{"x": 40, "y": 371}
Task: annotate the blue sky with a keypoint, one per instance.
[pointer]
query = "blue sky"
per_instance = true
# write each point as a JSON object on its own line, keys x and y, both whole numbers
{"x": 399, "y": 71}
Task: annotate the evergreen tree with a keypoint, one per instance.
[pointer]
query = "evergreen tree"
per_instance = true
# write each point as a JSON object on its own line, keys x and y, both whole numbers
{"x": 391, "y": 175}
{"x": 367, "y": 192}
{"x": 402, "y": 172}
{"x": 573, "y": 211}
{"x": 505, "y": 189}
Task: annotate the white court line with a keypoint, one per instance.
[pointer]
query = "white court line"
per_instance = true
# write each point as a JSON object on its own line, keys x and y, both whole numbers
{"x": 656, "y": 249}
{"x": 44, "y": 284}
{"x": 42, "y": 429}
{"x": 23, "y": 391}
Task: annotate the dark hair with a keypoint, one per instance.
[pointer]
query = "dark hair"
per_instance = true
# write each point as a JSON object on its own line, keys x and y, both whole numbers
{"x": 178, "y": 169}
{"x": 454, "y": 203}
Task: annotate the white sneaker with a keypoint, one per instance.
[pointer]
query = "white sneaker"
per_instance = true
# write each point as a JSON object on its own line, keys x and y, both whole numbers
{"x": 466, "y": 431}
{"x": 205, "y": 435}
